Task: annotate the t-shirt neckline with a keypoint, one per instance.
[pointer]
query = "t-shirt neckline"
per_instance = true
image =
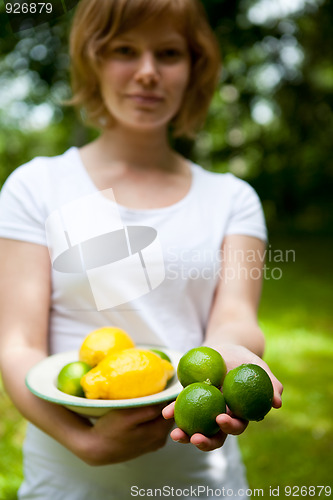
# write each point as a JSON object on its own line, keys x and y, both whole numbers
{"x": 122, "y": 208}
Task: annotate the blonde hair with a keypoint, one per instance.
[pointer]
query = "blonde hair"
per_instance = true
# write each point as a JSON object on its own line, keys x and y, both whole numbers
{"x": 97, "y": 22}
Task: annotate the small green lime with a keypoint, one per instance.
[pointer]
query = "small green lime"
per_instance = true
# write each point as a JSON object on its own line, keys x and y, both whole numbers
{"x": 248, "y": 391}
{"x": 201, "y": 364}
{"x": 69, "y": 377}
{"x": 161, "y": 354}
{"x": 197, "y": 407}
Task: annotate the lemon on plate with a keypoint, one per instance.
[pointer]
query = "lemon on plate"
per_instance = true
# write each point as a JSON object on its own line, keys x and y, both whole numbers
{"x": 103, "y": 341}
{"x": 130, "y": 373}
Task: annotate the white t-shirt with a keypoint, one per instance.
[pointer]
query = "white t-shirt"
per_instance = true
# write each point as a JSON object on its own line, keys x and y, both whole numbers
{"x": 175, "y": 259}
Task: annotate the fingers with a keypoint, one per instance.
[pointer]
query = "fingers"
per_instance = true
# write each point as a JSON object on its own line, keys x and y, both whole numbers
{"x": 277, "y": 387}
{"x": 168, "y": 411}
{"x": 227, "y": 424}
{"x": 158, "y": 425}
{"x": 278, "y": 390}
{"x": 204, "y": 443}
{"x": 148, "y": 413}
{"x": 137, "y": 416}
{"x": 179, "y": 436}
{"x": 231, "y": 425}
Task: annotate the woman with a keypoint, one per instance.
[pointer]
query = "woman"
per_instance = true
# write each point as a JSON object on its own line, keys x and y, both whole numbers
{"x": 140, "y": 69}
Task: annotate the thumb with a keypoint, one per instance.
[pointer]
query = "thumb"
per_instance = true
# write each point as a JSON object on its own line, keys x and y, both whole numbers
{"x": 169, "y": 410}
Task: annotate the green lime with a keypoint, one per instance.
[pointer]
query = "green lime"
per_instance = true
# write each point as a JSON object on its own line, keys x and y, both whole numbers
{"x": 201, "y": 364}
{"x": 69, "y": 377}
{"x": 161, "y": 354}
{"x": 248, "y": 392}
{"x": 197, "y": 407}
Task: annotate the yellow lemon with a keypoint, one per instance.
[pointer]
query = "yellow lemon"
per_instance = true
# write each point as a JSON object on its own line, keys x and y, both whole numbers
{"x": 131, "y": 373}
{"x": 102, "y": 342}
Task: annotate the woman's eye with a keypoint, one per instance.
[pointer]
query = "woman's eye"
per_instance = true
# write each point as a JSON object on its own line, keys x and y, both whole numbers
{"x": 124, "y": 51}
{"x": 170, "y": 54}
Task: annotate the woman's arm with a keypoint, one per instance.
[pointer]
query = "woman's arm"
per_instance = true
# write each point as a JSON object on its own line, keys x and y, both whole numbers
{"x": 24, "y": 307}
{"x": 25, "y": 289}
{"x": 233, "y": 328}
{"x": 233, "y": 324}
{"x": 233, "y": 318}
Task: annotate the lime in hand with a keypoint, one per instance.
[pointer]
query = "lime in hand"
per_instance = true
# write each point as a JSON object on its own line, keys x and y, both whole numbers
{"x": 201, "y": 364}
{"x": 248, "y": 391}
{"x": 197, "y": 407}
{"x": 69, "y": 378}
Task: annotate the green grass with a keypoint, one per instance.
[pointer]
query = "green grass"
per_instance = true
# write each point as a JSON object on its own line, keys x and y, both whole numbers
{"x": 292, "y": 446}
{"x": 12, "y": 428}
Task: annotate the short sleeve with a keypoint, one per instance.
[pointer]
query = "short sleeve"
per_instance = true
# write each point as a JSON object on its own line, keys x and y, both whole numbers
{"x": 21, "y": 206}
{"x": 246, "y": 216}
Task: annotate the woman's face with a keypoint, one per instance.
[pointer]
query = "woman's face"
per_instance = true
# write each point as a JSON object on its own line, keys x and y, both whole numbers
{"x": 145, "y": 74}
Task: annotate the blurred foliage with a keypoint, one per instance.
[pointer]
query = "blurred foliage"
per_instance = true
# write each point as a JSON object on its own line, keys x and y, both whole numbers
{"x": 271, "y": 120}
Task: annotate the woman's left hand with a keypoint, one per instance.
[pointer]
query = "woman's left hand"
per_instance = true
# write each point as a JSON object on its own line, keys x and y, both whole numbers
{"x": 227, "y": 424}
{"x": 234, "y": 355}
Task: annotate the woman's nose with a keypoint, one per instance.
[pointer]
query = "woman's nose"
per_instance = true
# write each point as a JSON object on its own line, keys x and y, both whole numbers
{"x": 147, "y": 72}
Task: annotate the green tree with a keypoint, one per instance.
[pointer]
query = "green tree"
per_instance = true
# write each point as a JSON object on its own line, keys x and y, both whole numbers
{"x": 270, "y": 122}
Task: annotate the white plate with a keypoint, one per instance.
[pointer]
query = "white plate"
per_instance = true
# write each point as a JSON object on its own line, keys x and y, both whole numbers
{"x": 41, "y": 381}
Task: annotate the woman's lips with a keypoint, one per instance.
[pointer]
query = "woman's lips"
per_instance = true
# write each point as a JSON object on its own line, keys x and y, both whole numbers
{"x": 145, "y": 99}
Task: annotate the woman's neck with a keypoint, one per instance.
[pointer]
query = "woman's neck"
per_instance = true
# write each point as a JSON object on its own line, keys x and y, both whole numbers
{"x": 148, "y": 151}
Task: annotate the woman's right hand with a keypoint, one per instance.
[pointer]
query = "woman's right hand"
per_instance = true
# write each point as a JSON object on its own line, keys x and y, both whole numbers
{"x": 124, "y": 434}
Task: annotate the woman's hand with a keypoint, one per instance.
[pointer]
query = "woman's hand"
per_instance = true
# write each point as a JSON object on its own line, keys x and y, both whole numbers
{"x": 227, "y": 424}
{"x": 121, "y": 435}
{"x": 234, "y": 355}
